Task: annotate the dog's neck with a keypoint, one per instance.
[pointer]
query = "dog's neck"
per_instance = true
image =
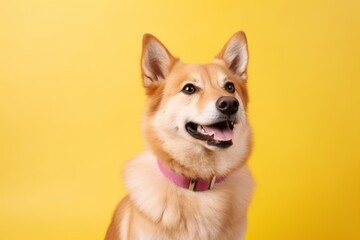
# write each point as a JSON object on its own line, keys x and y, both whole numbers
{"x": 194, "y": 184}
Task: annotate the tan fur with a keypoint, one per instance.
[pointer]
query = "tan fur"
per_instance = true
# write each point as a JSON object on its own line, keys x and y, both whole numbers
{"x": 156, "y": 208}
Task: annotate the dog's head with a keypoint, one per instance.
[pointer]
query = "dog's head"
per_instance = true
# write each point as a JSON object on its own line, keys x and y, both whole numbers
{"x": 196, "y": 118}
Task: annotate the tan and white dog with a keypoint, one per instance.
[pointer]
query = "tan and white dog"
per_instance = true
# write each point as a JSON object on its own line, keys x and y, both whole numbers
{"x": 193, "y": 182}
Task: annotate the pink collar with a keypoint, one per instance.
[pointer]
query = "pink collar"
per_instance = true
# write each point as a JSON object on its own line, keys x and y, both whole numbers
{"x": 194, "y": 184}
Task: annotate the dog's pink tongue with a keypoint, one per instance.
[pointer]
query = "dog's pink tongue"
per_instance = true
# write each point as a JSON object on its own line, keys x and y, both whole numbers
{"x": 219, "y": 134}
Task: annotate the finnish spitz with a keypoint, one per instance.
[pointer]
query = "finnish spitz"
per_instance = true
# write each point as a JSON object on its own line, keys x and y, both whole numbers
{"x": 193, "y": 182}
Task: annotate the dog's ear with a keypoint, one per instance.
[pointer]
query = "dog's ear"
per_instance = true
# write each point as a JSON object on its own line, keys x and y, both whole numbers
{"x": 156, "y": 61}
{"x": 235, "y": 55}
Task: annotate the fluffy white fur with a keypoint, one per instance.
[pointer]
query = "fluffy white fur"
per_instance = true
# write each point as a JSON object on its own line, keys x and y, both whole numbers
{"x": 150, "y": 191}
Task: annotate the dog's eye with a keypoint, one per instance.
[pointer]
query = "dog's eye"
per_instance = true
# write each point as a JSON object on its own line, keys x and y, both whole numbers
{"x": 189, "y": 89}
{"x": 229, "y": 86}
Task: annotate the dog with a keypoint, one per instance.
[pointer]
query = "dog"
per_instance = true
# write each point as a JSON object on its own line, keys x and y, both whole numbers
{"x": 193, "y": 182}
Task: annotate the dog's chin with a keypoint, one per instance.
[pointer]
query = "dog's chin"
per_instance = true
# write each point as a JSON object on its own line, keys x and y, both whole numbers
{"x": 215, "y": 135}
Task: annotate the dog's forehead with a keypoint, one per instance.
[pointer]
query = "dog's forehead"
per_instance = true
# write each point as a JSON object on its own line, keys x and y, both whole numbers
{"x": 200, "y": 73}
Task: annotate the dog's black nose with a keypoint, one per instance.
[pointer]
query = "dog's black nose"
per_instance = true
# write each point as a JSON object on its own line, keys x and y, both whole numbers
{"x": 227, "y": 105}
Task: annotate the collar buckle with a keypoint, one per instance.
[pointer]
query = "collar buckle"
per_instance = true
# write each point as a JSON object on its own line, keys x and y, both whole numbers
{"x": 194, "y": 181}
{"x": 212, "y": 182}
{"x": 192, "y": 184}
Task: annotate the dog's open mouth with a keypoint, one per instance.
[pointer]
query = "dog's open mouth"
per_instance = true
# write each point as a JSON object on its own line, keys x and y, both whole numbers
{"x": 218, "y": 134}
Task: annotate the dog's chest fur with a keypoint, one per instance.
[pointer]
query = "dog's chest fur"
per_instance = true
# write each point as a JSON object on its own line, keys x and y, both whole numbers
{"x": 167, "y": 211}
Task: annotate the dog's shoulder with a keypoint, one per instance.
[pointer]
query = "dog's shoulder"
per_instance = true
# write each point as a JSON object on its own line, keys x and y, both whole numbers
{"x": 119, "y": 225}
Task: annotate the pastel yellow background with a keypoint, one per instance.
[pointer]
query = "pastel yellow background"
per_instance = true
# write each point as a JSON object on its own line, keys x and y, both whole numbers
{"x": 71, "y": 103}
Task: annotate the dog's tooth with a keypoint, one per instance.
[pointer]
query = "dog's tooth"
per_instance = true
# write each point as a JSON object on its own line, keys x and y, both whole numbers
{"x": 203, "y": 129}
{"x": 200, "y": 129}
{"x": 231, "y": 125}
